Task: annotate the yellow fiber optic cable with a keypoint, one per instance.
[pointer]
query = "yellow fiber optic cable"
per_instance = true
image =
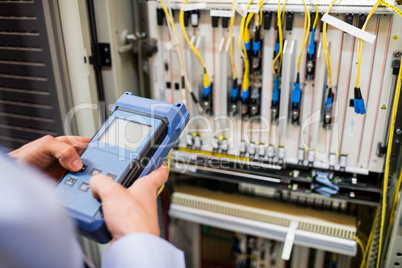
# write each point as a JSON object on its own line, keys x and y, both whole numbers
{"x": 232, "y": 20}
{"x": 316, "y": 16}
{"x": 368, "y": 246}
{"x": 360, "y": 44}
{"x": 183, "y": 28}
{"x": 283, "y": 10}
{"x": 181, "y": 61}
{"x": 362, "y": 248}
{"x": 398, "y": 187}
{"x": 246, "y": 82}
{"x": 392, "y": 7}
{"x": 242, "y": 24}
{"x": 388, "y": 159}
{"x": 280, "y": 39}
{"x": 180, "y": 54}
{"x": 305, "y": 34}
{"x": 390, "y": 138}
{"x": 324, "y": 34}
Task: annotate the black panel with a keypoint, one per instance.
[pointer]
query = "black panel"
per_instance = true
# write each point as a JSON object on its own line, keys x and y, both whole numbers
{"x": 28, "y": 98}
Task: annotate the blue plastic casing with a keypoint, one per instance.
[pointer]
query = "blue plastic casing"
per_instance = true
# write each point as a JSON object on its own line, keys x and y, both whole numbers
{"x": 245, "y": 93}
{"x": 235, "y": 93}
{"x": 311, "y": 47}
{"x": 163, "y": 120}
{"x": 296, "y": 95}
{"x": 207, "y": 91}
{"x": 359, "y": 106}
{"x": 256, "y": 46}
{"x": 247, "y": 45}
{"x": 275, "y": 92}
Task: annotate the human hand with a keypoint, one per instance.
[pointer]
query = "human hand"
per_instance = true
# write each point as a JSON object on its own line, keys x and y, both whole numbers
{"x": 53, "y": 155}
{"x": 133, "y": 209}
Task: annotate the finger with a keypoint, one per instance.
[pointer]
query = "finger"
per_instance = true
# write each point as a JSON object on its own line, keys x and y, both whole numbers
{"x": 103, "y": 187}
{"x": 154, "y": 180}
{"x": 64, "y": 152}
{"x": 78, "y": 142}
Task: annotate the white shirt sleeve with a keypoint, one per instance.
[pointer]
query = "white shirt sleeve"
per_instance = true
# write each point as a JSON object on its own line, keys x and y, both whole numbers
{"x": 34, "y": 228}
{"x": 144, "y": 251}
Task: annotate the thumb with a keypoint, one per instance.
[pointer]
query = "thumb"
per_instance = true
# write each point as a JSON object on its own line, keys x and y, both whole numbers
{"x": 154, "y": 180}
{"x": 103, "y": 187}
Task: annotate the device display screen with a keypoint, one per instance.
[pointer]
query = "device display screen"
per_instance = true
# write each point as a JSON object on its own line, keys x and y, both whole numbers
{"x": 125, "y": 134}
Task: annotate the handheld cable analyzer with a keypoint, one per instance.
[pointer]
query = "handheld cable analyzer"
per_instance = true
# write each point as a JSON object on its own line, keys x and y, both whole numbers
{"x": 132, "y": 143}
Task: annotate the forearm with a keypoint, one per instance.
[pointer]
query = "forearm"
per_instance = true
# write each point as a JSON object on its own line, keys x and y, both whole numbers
{"x": 143, "y": 250}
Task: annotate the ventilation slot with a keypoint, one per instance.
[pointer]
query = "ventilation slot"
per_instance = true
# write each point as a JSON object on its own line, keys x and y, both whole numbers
{"x": 29, "y": 105}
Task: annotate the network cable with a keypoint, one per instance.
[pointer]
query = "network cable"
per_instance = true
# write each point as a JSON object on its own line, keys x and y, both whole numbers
{"x": 330, "y": 95}
{"x": 207, "y": 84}
{"x": 362, "y": 247}
{"x": 242, "y": 47}
{"x": 296, "y": 93}
{"x": 279, "y": 41}
{"x": 370, "y": 238}
{"x": 388, "y": 159}
{"x": 311, "y": 47}
{"x": 358, "y": 101}
{"x": 184, "y": 85}
{"x": 306, "y": 28}
{"x": 235, "y": 87}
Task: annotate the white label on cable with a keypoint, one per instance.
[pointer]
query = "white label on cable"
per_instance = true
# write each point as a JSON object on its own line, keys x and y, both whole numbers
{"x": 350, "y": 29}
{"x": 192, "y": 39}
{"x": 290, "y": 238}
{"x": 222, "y": 13}
{"x": 197, "y": 6}
{"x": 241, "y": 9}
{"x": 254, "y": 9}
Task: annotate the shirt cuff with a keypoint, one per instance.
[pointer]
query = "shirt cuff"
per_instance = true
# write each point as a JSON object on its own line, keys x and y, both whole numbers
{"x": 143, "y": 250}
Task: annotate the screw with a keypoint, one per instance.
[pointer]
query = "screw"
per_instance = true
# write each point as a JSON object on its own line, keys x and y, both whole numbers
{"x": 397, "y": 54}
{"x": 398, "y": 131}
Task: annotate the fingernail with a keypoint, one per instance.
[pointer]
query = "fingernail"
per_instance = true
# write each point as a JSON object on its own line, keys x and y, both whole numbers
{"x": 164, "y": 165}
{"x": 77, "y": 164}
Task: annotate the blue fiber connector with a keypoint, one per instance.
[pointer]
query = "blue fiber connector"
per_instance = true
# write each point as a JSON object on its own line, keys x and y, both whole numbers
{"x": 235, "y": 93}
{"x": 359, "y": 106}
{"x": 207, "y": 90}
{"x": 256, "y": 46}
{"x": 247, "y": 45}
{"x": 275, "y": 93}
{"x": 311, "y": 47}
{"x": 328, "y": 102}
{"x": 277, "y": 48}
{"x": 244, "y": 94}
{"x": 358, "y": 102}
{"x": 296, "y": 95}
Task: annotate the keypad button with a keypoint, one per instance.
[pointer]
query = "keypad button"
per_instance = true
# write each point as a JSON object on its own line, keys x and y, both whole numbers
{"x": 84, "y": 187}
{"x": 84, "y": 167}
{"x": 111, "y": 175}
{"x": 95, "y": 171}
{"x": 70, "y": 181}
